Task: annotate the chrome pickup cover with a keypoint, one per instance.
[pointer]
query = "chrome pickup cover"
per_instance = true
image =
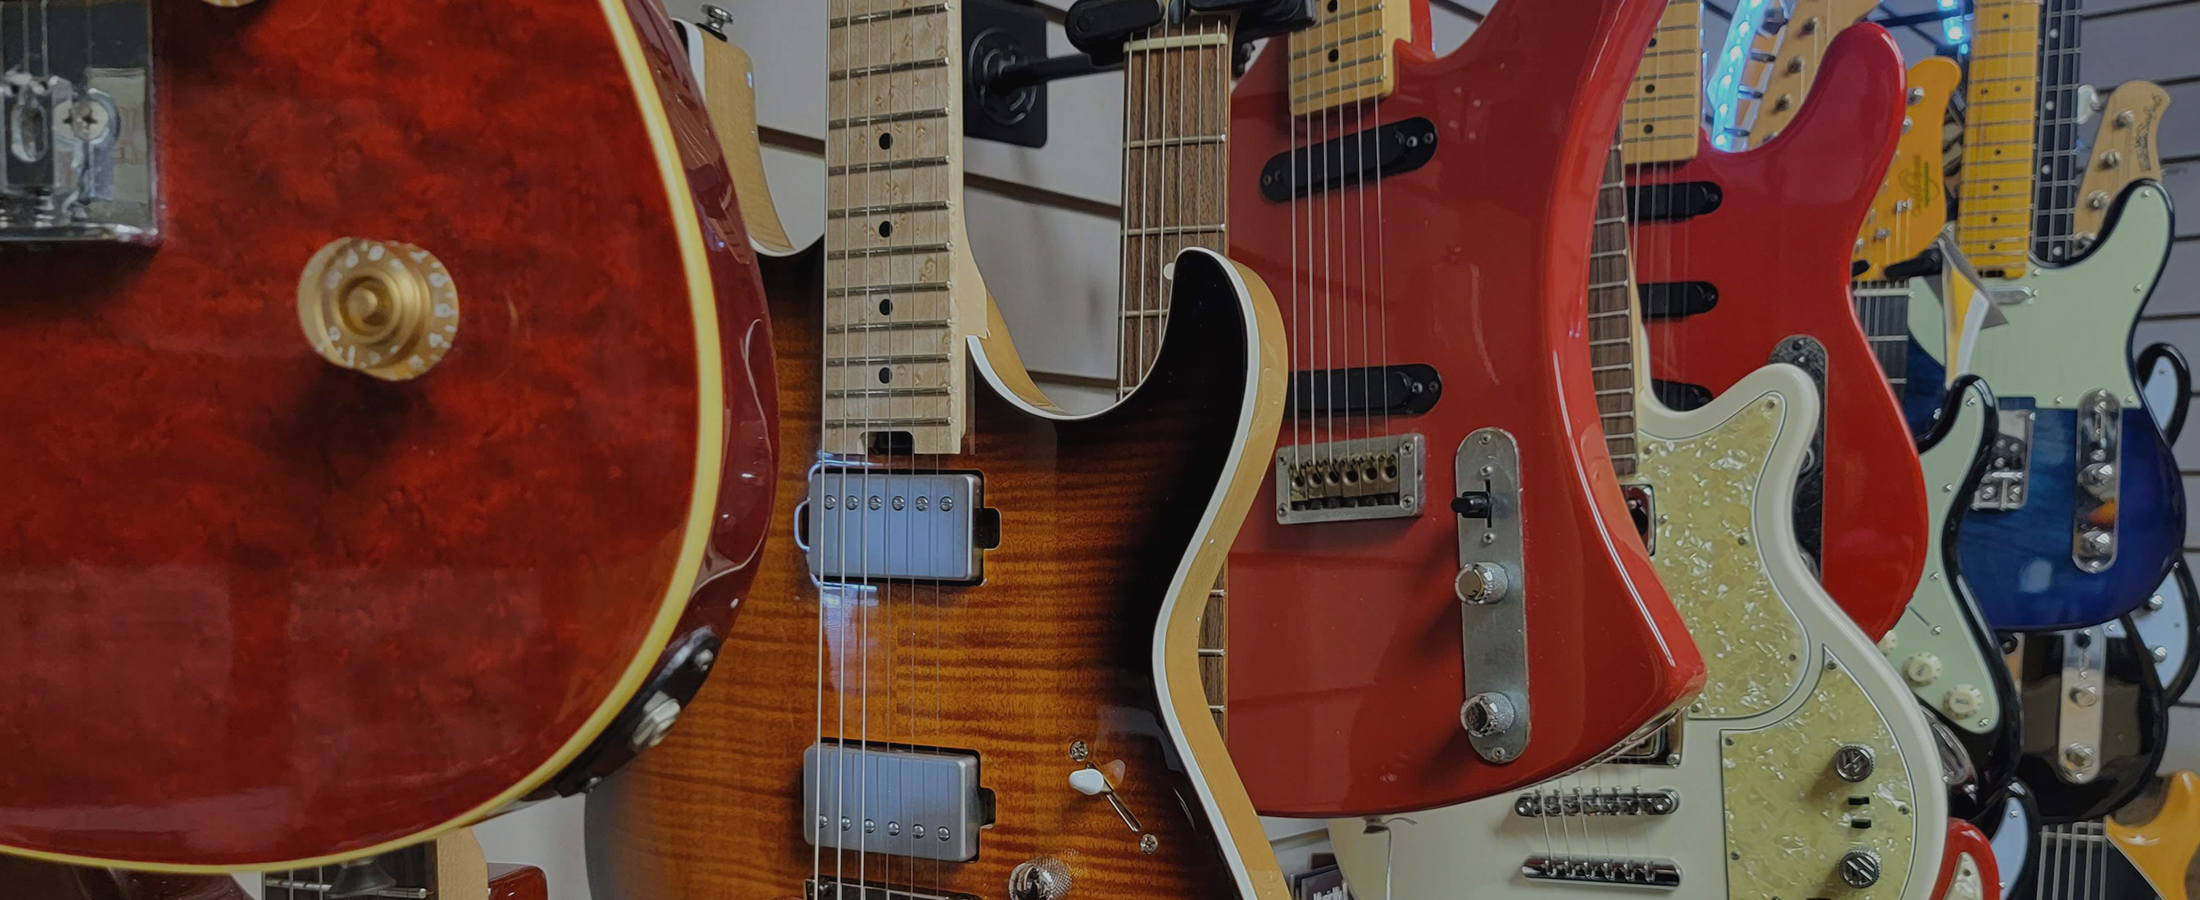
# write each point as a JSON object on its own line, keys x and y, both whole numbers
{"x": 923, "y": 804}
{"x": 76, "y": 112}
{"x": 880, "y": 525}
{"x": 1344, "y": 481}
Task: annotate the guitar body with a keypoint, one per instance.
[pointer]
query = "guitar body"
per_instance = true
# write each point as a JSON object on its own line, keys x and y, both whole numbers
{"x": 1760, "y": 814}
{"x": 2070, "y": 335}
{"x": 1967, "y": 869}
{"x": 2165, "y": 847}
{"x": 1345, "y": 651}
{"x": 1084, "y": 632}
{"x": 1776, "y": 252}
{"x": 1942, "y": 645}
{"x": 255, "y": 587}
{"x": 2132, "y": 735}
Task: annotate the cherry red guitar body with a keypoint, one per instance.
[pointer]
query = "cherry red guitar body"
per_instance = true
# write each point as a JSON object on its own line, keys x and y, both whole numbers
{"x": 1776, "y": 252}
{"x": 1967, "y": 844}
{"x": 257, "y": 610}
{"x": 1345, "y": 654}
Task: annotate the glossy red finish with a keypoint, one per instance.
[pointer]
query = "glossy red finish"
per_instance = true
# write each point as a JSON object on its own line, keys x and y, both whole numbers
{"x": 258, "y": 609}
{"x": 1345, "y": 650}
{"x": 1777, "y": 249}
{"x": 1966, "y": 838}
{"x": 510, "y": 882}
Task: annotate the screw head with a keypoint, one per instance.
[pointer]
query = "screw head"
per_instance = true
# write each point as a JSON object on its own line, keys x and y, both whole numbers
{"x": 703, "y": 659}
{"x": 1078, "y": 751}
{"x": 1149, "y": 845}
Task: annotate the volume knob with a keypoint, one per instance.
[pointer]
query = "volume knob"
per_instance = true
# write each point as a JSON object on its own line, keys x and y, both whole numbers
{"x": 1922, "y": 668}
{"x": 1044, "y": 878}
{"x": 383, "y": 308}
{"x": 1860, "y": 868}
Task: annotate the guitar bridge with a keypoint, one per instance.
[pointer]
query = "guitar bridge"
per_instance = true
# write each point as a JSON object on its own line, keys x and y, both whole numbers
{"x": 1554, "y": 804}
{"x": 2008, "y": 466}
{"x": 76, "y": 143}
{"x": 1643, "y": 872}
{"x": 1344, "y": 481}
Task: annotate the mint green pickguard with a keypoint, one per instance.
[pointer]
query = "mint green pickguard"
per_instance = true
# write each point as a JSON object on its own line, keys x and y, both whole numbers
{"x": 1935, "y": 625}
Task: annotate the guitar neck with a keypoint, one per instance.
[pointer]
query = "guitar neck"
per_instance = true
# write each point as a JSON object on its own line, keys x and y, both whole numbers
{"x": 1176, "y": 127}
{"x": 1883, "y": 309}
{"x": 1612, "y": 359}
{"x": 1994, "y": 227}
{"x": 895, "y": 372}
{"x": 1781, "y": 83}
{"x": 1348, "y": 55}
{"x": 2055, "y": 199}
{"x": 1662, "y": 113}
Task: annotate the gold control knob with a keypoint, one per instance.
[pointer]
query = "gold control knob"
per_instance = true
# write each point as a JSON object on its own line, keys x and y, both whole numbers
{"x": 1963, "y": 701}
{"x": 387, "y": 309}
{"x": 1922, "y": 669}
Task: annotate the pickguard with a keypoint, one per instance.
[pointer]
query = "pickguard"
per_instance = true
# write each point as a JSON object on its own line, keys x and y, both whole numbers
{"x": 1933, "y": 645}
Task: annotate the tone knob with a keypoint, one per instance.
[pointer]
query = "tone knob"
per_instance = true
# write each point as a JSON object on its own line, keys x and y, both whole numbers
{"x": 1044, "y": 878}
{"x": 1482, "y": 583}
{"x": 2097, "y": 477}
{"x": 1854, "y": 763}
{"x": 1891, "y": 642}
{"x": 383, "y": 308}
{"x": 1860, "y": 868}
{"x": 1487, "y": 715}
{"x": 1922, "y": 668}
{"x": 1963, "y": 701}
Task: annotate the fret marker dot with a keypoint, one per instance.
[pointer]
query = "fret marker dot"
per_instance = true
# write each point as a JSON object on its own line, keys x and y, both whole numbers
{"x": 885, "y": 229}
{"x": 885, "y": 375}
{"x": 886, "y": 140}
{"x": 886, "y": 306}
{"x": 1332, "y": 5}
{"x": 1332, "y": 56}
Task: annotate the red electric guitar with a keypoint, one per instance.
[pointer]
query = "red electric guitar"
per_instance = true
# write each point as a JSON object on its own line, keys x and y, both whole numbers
{"x": 1967, "y": 867}
{"x": 401, "y": 423}
{"x": 1744, "y": 259}
{"x": 1444, "y": 595}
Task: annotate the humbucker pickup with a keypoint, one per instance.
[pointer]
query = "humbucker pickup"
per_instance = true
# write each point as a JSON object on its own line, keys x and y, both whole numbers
{"x": 1372, "y": 478}
{"x": 862, "y": 524}
{"x": 922, "y": 804}
{"x": 1624, "y": 871}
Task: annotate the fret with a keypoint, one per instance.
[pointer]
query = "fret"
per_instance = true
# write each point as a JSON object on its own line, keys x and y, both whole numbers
{"x": 1169, "y": 230}
{"x": 2055, "y": 200}
{"x": 1611, "y": 311}
{"x": 1176, "y": 152}
{"x": 1347, "y": 56}
{"x": 2002, "y": 117}
{"x": 1661, "y": 115}
{"x": 1185, "y": 141}
{"x": 893, "y": 357}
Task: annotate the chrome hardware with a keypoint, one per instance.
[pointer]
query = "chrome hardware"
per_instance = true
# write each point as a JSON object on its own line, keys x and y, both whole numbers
{"x": 2093, "y": 517}
{"x": 2111, "y": 159}
{"x": 1493, "y": 635}
{"x": 1626, "y": 871}
{"x": 2078, "y": 726}
{"x": 1347, "y": 481}
{"x": 926, "y": 804}
{"x": 876, "y": 525}
{"x": 1044, "y": 878}
{"x": 2008, "y": 477}
{"x": 658, "y": 716}
{"x": 1917, "y": 96}
{"x": 1860, "y": 868}
{"x": 76, "y": 142}
{"x": 1092, "y": 782}
{"x": 1481, "y": 583}
{"x": 1596, "y": 802}
{"x": 1854, "y": 763}
{"x": 1149, "y": 844}
{"x": 826, "y": 887}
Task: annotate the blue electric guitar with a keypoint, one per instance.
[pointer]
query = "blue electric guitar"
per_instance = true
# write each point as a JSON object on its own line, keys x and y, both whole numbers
{"x": 2082, "y": 513}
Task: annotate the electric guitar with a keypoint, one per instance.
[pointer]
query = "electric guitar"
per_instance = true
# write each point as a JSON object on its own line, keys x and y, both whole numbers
{"x": 2160, "y": 837}
{"x": 984, "y": 670}
{"x": 1803, "y": 769}
{"x": 1907, "y": 217}
{"x": 2084, "y": 511}
{"x": 1717, "y": 313}
{"x": 2151, "y": 859}
{"x": 2095, "y": 720}
{"x": 1443, "y": 595}
{"x": 360, "y": 363}
{"x": 2166, "y": 622}
{"x": 450, "y": 867}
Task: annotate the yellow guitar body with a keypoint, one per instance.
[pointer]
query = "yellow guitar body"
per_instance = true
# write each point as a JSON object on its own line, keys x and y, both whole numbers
{"x": 2164, "y": 848}
{"x": 1912, "y": 205}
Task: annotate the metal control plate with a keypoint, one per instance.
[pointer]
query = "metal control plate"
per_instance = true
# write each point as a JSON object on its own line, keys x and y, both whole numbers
{"x": 879, "y": 525}
{"x": 2078, "y": 723}
{"x": 922, "y": 804}
{"x": 2100, "y": 432}
{"x": 1494, "y": 633}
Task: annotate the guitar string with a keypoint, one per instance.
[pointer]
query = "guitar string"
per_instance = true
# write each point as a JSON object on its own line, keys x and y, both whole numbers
{"x": 1389, "y": 66}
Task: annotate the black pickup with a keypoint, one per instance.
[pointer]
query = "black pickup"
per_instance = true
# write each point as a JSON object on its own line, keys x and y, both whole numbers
{"x": 1381, "y": 152}
{"x": 1407, "y": 390}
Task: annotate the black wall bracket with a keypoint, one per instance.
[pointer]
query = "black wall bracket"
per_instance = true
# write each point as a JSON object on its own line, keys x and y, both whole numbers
{"x": 1000, "y": 36}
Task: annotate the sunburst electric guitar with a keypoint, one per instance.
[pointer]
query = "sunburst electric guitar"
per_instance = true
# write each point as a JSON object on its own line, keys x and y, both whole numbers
{"x": 1804, "y": 769}
{"x": 359, "y": 364}
{"x": 1443, "y": 594}
{"x": 983, "y": 646}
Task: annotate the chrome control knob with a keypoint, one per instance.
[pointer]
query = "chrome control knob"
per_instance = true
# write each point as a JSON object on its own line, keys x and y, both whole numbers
{"x": 1854, "y": 763}
{"x": 1487, "y": 715}
{"x": 2097, "y": 477}
{"x": 1482, "y": 583}
{"x": 1860, "y": 869}
{"x": 1044, "y": 878}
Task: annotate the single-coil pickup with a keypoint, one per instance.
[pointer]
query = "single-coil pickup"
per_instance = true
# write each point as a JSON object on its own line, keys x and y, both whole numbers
{"x": 1596, "y": 802}
{"x": 1375, "y": 478}
{"x": 1629, "y": 871}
